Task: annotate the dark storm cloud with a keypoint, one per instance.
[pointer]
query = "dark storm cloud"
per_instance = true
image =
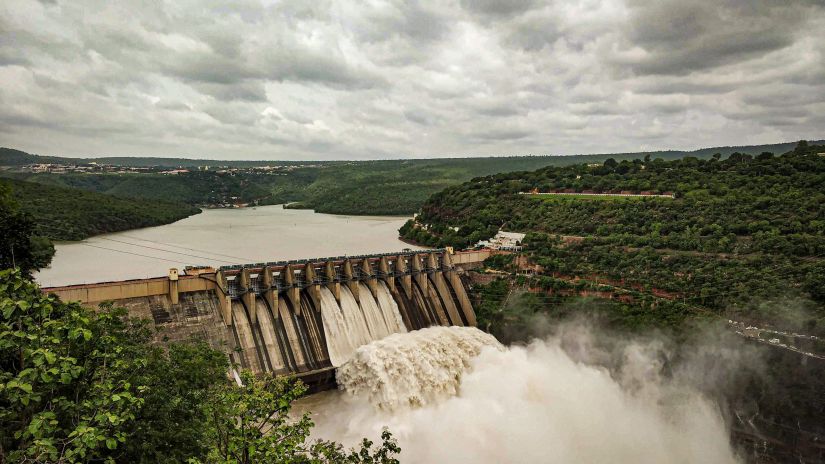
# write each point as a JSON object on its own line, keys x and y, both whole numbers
{"x": 335, "y": 78}
{"x": 498, "y": 7}
{"x": 682, "y": 36}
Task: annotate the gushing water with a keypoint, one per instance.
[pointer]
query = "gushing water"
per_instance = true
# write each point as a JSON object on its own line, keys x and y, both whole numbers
{"x": 389, "y": 310}
{"x": 349, "y": 325}
{"x": 376, "y": 326}
{"x": 454, "y": 395}
{"x": 416, "y": 368}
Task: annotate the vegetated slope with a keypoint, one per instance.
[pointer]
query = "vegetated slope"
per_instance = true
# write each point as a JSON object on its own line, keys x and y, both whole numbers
{"x": 744, "y": 238}
{"x": 73, "y": 214}
{"x": 398, "y": 186}
{"x": 194, "y": 188}
{"x": 354, "y": 187}
{"x": 13, "y": 157}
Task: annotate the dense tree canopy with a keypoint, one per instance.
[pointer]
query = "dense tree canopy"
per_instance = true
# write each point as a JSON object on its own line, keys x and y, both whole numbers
{"x": 20, "y": 246}
{"x": 61, "y": 213}
{"x": 744, "y": 237}
{"x": 772, "y": 204}
{"x": 84, "y": 386}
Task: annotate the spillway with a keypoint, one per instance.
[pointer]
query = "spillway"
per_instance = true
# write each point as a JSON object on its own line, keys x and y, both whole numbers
{"x": 293, "y": 320}
{"x": 351, "y": 324}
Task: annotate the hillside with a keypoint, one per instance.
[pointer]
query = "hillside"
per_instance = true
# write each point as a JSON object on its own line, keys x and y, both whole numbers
{"x": 744, "y": 237}
{"x": 388, "y": 187}
{"x": 73, "y": 214}
{"x": 13, "y": 157}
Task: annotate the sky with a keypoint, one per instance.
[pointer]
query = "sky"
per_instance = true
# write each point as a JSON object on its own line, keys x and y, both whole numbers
{"x": 327, "y": 79}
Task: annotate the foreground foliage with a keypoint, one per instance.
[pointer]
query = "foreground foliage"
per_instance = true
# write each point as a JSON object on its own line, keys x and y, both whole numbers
{"x": 83, "y": 386}
{"x": 252, "y": 424}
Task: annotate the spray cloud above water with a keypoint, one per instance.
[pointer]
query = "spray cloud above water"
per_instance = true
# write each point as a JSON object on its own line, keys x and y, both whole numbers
{"x": 456, "y": 395}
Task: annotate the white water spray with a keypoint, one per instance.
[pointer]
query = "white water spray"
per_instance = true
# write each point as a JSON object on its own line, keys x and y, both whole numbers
{"x": 349, "y": 325}
{"x": 453, "y": 395}
{"x": 416, "y": 368}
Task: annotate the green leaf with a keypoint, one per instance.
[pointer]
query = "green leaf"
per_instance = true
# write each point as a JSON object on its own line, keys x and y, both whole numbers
{"x": 8, "y": 311}
{"x": 111, "y": 443}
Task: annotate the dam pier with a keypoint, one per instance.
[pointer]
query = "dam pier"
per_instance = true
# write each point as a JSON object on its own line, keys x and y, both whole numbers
{"x": 300, "y": 317}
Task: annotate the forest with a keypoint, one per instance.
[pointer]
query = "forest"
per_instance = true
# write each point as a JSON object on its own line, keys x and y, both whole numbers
{"x": 386, "y": 187}
{"x": 744, "y": 238}
{"x": 62, "y": 213}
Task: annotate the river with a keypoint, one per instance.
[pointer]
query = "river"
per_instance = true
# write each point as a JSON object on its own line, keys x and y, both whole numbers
{"x": 219, "y": 237}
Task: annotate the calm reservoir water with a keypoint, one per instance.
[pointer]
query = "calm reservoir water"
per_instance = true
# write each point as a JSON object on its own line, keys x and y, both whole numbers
{"x": 219, "y": 237}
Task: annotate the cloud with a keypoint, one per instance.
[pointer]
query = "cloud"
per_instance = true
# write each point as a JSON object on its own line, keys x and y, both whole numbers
{"x": 407, "y": 78}
{"x": 497, "y": 7}
{"x": 683, "y": 36}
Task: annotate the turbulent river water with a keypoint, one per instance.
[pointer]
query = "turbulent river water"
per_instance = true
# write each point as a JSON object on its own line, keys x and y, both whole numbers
{"x": 456, "y": 395}
{"x": 217, "y": 237}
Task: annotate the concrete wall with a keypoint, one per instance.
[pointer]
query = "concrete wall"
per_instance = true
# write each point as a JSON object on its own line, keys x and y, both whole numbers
{"x": 205, "y": 305}
{"x": 94, "y": 294}
{"x": 205, "y": 280}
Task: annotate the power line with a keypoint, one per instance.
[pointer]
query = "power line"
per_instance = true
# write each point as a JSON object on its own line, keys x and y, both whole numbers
{"x": 211, "y": 258}
{"x": 187, "y": 248}
{"x": 165, "y": 251}
{"x": 128, "y": 253}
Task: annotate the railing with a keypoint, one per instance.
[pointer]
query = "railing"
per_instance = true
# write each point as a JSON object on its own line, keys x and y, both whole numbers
{"x": 238, "y": 267}
{"x": 320, "y": 277}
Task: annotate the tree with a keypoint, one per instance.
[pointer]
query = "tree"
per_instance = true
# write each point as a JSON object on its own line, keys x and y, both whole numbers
{"x": 83, "y": 386}
{"x": 64, "y": 389}
{"x": 251, "y": 424}
{"x": 20, "y": 247}
{"x": 173, "y": 424}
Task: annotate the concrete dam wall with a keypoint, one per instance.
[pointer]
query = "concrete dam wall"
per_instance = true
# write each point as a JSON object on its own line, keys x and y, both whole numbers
{"x": 302, "y": 317}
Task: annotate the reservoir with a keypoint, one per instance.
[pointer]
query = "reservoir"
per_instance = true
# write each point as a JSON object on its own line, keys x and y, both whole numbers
{"x": 218, "y": 237}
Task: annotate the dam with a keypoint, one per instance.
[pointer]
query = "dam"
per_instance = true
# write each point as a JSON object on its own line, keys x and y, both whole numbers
{"x": 300, "y": 317}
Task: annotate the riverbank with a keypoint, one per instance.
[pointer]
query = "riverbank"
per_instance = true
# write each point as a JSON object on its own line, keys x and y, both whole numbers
{"x": 70, "y": 214}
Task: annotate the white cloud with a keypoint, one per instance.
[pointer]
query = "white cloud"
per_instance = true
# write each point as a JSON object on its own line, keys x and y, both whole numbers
{"x": 392, "y": 78}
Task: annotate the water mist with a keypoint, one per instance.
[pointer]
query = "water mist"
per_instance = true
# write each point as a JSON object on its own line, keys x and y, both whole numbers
{"x": 454, "y": 395}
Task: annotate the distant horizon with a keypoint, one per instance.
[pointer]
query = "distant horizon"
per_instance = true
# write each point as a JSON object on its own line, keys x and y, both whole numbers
{"x": 602, "y": 153}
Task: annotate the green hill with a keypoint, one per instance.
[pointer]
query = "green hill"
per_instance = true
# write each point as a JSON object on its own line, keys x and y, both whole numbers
{"x": 13, "y": 157}
{"x": 393, "y": 187}
{"x": 744, "y": 237}
{"x": 73, "y": 214}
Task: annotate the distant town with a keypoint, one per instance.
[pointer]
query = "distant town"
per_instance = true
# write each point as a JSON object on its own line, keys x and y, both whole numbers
{"x": 95, "y": 168}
